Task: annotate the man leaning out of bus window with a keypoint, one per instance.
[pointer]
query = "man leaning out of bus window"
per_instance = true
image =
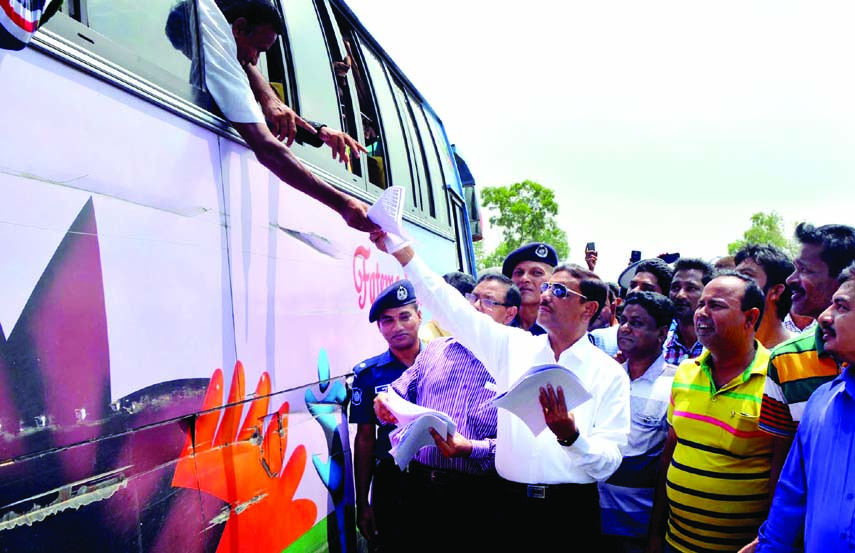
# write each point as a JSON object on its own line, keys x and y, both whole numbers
{"x": 231, "y": 51}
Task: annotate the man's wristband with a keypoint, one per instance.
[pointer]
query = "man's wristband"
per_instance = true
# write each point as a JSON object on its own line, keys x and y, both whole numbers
{"x": 569, "y": 441}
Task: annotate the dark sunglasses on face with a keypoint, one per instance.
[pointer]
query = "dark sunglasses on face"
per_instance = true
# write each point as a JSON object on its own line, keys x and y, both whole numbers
{"x": 559, "y": 290}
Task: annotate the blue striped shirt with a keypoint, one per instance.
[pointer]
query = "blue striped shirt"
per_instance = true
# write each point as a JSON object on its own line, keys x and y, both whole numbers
{"x": 448, "y": 378}
{"x": 626, "y": 498}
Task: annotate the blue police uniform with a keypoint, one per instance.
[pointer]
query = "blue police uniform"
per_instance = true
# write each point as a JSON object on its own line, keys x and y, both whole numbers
{"x": 372, "y": 377}
{"x": 536, "y": 251}
{"x": 535, "y": 330}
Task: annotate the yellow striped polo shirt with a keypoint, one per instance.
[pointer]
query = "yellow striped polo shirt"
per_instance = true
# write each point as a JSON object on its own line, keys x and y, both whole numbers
{"x": 718, "y": 480}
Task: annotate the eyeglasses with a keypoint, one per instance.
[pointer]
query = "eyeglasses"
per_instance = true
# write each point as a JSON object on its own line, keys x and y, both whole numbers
{"x": 486, "y": 302}
{"x": 559, "y": 290}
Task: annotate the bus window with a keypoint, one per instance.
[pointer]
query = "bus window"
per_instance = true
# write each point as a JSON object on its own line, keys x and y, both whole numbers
{"x": 146, "y": 37}
{"x": 350, "y": 78}
{"x": 155, "y": 40}
{"x": 415, "y": 153}
{"x": 398, "y": 159}
{"x": 439, "y": 204}
{"x": 314, "y": 83}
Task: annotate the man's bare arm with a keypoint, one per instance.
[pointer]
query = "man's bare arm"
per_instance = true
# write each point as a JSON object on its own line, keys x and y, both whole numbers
{"x": 282, "y": 119}
{"x": 284, "y": 164}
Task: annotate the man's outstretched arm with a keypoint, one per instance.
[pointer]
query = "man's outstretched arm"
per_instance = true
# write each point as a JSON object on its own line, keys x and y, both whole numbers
{"x": 284, "y": 164}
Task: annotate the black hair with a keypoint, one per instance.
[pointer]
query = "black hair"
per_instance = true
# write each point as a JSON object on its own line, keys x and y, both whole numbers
{"x": 513, "y": 297}
{"x": 177, "y": 30}
{"x": 657, "y": 306}
{"x": 590, "y": 284}
{"x": 614, "y": 291}
{"x": 687, "y": 264}
{"x": 847, "y": 274}
{"x": 837, "y": 243}
{"x": 777, "y": 265}
{"x": 256, "y": 12}
{"x": 658, "y": 268}
{"x": 462, "y": 282}
{"x": 753, "y": 296}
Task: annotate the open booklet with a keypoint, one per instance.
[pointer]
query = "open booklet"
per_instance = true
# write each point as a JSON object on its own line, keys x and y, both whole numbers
{"x": 522, "y": 398}
{"x": 414, "y": 424}
{"x": 387, "y": 212}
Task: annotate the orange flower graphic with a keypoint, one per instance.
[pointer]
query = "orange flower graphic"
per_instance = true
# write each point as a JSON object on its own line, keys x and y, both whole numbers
{"x": 243, "y": 466}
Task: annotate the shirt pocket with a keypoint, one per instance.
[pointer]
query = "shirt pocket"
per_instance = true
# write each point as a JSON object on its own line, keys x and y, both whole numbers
{"x": 648, "y": 431}
{"x": 741, "y": 432}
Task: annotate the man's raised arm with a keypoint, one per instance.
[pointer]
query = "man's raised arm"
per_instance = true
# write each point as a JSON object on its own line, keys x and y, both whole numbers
{"x": 484, "y": 337}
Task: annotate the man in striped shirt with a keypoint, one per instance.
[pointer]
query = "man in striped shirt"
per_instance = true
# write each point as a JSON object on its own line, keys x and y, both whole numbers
{"x": 627, "y": 496}
{"x": 454, "y": 480}
{"x": 714, "y": 474}
{"x": 800, "y": 365}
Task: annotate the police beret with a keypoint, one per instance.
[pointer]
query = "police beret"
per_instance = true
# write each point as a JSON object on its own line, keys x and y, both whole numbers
{"x": 536, "y": 251}
{"x": 398, "y": 294}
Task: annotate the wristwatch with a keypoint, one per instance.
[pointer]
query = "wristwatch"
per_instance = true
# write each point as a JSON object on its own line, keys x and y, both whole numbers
{"x": 569, "y": 441}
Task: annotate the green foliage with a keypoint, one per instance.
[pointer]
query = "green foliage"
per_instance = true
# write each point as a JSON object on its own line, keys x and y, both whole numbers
{"x": 525, "y": 212}
{"x": 766, "y": 228}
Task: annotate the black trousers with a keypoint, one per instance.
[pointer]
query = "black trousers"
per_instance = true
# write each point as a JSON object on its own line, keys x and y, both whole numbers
{"x": 390, "y": 504}
{"x": 551, "y": 517}
{"x": 457, "y": 511}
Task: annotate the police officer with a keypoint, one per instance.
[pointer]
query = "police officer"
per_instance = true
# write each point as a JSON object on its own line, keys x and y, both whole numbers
{"x": 528, "y": 267}
{"x": 398, "y": 319}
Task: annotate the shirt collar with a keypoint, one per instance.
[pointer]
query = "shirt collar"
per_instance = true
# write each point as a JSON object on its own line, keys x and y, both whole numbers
{"x": 388, "y": 357}
{"x": 758, "y": 366}
{"x": 653, "y": 372}
{"x": 847, "y": 376}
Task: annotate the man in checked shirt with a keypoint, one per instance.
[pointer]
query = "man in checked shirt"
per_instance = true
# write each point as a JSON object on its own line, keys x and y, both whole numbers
{"x": 453, "y": 482}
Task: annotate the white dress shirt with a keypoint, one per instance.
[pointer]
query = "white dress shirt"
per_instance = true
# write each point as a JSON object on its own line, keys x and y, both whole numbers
{"x": 603, "y": 421}
{"x": 227, "y": 81}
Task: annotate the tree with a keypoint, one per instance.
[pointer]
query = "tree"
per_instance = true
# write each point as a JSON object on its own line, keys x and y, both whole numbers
{"x": 766, "y": 228}
{"x": 525, "y": 212}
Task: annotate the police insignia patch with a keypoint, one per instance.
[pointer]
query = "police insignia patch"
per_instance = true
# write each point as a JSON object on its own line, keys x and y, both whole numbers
{"x": 357, "y": 396}
{"x": 541, "y": 251}
{"x": 402, "y": 293}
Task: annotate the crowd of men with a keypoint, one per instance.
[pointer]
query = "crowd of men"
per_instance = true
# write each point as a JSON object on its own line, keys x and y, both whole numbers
{"x": 721, "y": 407}
{"x": 699, "y": 379}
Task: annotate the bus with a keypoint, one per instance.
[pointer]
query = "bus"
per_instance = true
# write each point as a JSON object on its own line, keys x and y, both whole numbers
{"x": 177, "y": 327}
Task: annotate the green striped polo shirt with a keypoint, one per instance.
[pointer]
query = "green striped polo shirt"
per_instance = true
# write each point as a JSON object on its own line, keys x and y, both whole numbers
{"x": 797, "y": 368}
{"x": 718, "y": 480}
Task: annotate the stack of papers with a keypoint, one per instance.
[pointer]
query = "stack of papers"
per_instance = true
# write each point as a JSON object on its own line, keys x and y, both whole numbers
{"x": 523, "y": 397}
{"x": 414, "y": 424}
{"x": 387, "y": 212}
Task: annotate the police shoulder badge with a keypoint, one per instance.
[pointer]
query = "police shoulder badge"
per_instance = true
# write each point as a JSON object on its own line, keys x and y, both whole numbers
{"x": 357, "y": 396}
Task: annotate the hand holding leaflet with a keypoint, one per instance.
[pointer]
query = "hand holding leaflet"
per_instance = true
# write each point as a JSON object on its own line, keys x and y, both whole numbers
{"x": 388, "y": 212}
{"x": 414, "y": 424}
{"x": 521, "y": 399}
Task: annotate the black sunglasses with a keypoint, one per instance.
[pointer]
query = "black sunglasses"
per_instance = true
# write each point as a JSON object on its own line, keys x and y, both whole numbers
{"x": 559, "y": 290}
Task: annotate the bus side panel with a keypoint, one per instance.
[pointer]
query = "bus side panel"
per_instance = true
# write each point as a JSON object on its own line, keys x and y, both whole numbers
{"x": 303, "y": 283}
{"x": 125, "y": 239}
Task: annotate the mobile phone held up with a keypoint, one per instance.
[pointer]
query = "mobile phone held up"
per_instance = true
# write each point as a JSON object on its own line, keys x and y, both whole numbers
{"x": 635, "y": 256}
{"x": 590, "y": 247}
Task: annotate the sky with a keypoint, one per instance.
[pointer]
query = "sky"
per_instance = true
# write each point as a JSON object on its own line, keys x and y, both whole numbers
{"x": 661, "y": 125}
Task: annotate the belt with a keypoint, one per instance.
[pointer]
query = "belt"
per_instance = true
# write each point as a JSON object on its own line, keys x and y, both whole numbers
{"x": 425, "y": 473}
{"x": 549, "y": 491}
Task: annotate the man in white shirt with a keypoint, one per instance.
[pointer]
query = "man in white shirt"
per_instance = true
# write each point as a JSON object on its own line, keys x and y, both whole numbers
{"x": 549, "y": 489}
{"x": 230, "y": 53}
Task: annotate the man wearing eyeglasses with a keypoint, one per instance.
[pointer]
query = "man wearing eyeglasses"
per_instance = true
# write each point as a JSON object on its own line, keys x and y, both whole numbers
{"x": 456, "y": 480}
{"x": 548, "y": 490}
